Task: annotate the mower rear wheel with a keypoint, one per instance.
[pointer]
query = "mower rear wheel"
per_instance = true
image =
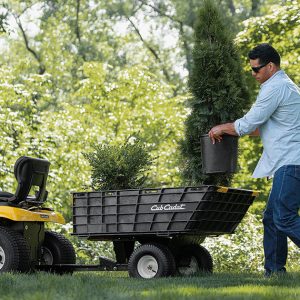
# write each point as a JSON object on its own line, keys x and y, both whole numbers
{"x": 14, "y": 252}
{"x": 56, "y": 249}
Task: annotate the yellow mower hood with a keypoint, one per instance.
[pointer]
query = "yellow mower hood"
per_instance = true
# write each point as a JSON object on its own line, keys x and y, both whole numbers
{"x": 24, "y": 215}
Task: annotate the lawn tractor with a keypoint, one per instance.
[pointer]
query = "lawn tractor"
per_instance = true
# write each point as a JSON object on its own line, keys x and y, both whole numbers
{"x": 156, "y": 232}
{"x": 24, "y": 243}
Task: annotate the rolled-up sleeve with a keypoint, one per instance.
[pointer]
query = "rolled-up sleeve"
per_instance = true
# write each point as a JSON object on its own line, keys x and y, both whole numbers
{"x": 265, "y": 105}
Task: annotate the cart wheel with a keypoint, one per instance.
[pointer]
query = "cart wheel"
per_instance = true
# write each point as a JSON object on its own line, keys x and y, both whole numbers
{"x": 14, "y": 252}
{"x": 56, "y": 249}
{"x": 171, "y": 259}
{"x": 193, "y": 259}
{"x": 149, "y": 261}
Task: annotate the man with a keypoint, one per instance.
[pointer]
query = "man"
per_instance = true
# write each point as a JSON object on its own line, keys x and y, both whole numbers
{"x": 275, "y": 116}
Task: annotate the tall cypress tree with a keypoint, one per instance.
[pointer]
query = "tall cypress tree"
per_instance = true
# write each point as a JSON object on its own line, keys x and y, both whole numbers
{"x": 219, "y": 93}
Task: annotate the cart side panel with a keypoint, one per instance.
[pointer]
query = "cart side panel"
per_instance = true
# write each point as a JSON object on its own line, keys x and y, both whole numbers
{"x": 204, "y": 210}
{"x": 221, "y": 212}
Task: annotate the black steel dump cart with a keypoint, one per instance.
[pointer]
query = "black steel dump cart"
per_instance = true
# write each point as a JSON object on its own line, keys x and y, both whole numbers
{"x": 163, "y": 222}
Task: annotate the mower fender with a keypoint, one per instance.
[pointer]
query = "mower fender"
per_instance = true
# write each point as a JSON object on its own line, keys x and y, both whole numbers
{"x": 23, "y": 215}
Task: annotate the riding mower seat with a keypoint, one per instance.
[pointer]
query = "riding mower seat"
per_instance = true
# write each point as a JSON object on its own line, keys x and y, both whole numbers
{"x": 29, "y": 172}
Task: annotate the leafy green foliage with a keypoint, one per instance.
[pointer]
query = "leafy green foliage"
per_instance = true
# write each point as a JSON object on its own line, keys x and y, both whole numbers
{"x": 280, "y": 28}
{"x": 218, "y": 88}
{"x": 116, "y": 167}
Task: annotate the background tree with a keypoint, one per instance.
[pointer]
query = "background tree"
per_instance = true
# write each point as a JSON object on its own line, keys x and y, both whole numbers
{"x": 219, "y": 93}
{"x": 170, "y": 29}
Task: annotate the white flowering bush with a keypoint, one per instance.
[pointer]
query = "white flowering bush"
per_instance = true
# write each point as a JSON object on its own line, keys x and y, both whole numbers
{"x": 242, "y": 250}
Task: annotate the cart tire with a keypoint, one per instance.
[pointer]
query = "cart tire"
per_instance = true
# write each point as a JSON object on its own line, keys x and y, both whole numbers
{"x": 197, "y": 259}
{"x": 149, "y": 261}
{"x": 56, "y": 249}
{"x": 14, "y": 252}
{"x": 171, "y": 259}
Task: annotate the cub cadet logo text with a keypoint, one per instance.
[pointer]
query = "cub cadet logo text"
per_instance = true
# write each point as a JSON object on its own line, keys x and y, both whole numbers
{"x": 44, "y": 216}
{"x": 168, "y": 207}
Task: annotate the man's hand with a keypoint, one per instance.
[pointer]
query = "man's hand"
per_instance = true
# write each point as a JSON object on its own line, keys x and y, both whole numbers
{"x": 216, "y": 132}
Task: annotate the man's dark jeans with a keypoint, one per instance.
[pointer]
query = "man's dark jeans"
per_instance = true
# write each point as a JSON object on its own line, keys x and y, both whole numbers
{"x": 281, "y": 219}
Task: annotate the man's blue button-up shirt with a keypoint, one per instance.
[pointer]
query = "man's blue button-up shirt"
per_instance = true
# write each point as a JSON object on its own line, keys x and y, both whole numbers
{"x": 276, "y": 113}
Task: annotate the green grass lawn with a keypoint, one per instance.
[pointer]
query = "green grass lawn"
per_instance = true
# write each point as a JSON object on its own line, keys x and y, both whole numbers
{"x": 116, "y": 285}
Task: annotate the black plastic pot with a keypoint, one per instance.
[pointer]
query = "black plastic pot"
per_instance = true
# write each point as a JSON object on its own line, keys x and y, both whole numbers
{"x": 220, "y": 157}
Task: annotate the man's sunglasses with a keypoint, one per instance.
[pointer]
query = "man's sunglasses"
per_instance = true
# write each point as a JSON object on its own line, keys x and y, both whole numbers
{"x": 256, "y": 69}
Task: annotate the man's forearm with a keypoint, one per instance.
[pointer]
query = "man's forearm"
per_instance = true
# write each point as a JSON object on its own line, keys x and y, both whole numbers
{"x": 228, "y": 128}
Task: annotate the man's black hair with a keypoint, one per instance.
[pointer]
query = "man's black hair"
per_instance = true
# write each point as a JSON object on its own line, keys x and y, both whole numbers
{"x": 266, "y": 53}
